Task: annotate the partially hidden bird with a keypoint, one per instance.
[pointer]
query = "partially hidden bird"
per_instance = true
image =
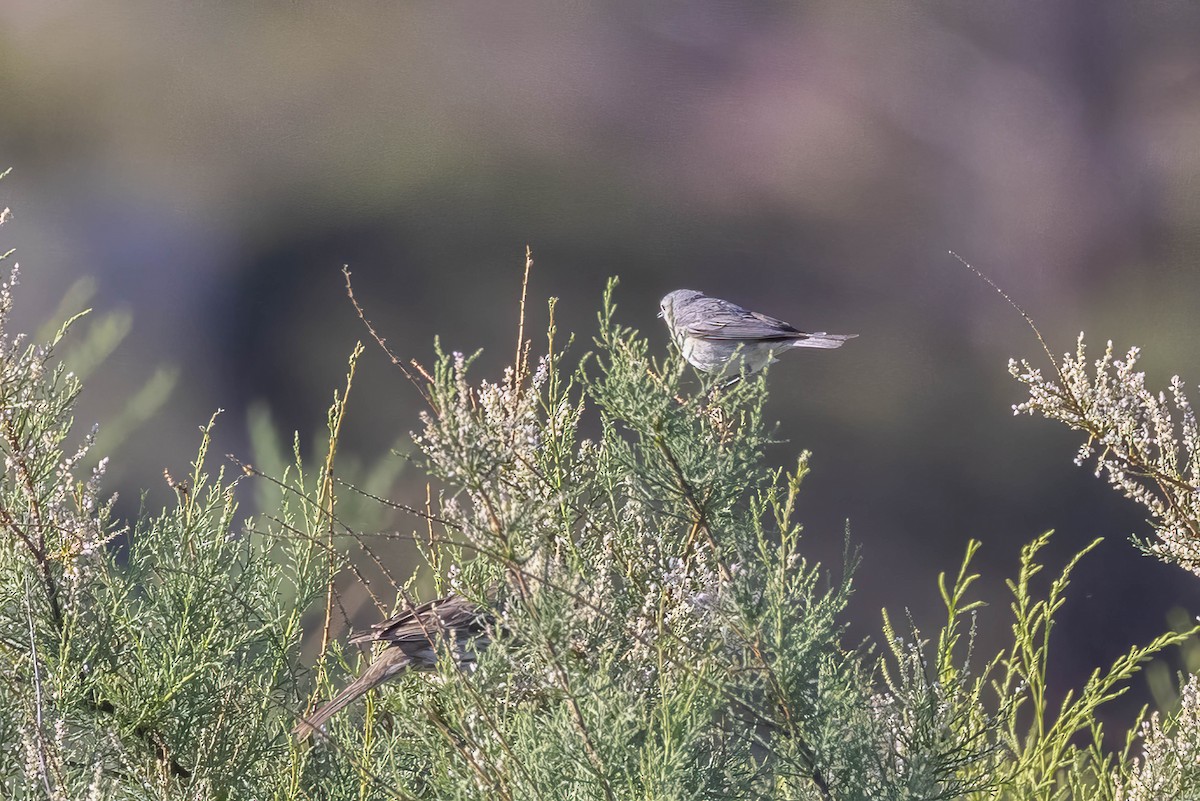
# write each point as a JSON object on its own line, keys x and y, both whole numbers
{"x": 414, "y": 638}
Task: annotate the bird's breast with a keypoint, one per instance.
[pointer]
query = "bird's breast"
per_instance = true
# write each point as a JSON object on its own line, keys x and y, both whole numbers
{"x": 713, "y": 356}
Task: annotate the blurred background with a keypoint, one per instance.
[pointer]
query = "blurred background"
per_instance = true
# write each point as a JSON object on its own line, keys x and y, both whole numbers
{"x": 213, "y": 165}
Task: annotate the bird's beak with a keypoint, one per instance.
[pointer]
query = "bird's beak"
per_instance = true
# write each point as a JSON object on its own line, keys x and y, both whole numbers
{"x": 660, "y": 314}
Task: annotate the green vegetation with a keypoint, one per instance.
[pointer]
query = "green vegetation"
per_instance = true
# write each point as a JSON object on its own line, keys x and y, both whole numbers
{"x": 659, "y": 631}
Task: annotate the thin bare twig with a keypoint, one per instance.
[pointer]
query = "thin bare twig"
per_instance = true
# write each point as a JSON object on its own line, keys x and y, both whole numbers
{"x": 327, "y": 497}
{"x": 521, "y": 365}
{"x": 37, "y": 695}
{"x": 379, "y": 340}
{"x": 1029, "y": 320}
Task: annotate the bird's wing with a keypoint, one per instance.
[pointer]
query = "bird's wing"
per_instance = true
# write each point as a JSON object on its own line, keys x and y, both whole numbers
{"x": 422, "y": 623}
{"x": 717, "y": 319}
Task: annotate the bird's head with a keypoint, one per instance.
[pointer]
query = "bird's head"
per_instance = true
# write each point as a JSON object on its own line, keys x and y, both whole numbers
{"x": 672, "y": 302}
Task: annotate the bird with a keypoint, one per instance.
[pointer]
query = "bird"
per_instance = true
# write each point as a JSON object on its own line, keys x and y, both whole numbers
{"x": 713, "y": 334}
{"x": 414, "y": 638}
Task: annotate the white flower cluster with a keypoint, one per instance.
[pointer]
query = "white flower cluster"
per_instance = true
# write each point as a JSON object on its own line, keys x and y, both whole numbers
{"x": 920, "y": 721}
{"x": 1146, "y": 444}
{"x": 1169, "y": 766}
{"x": 679, "y": 603}
{"x": 488, "y": 443}
{"x": 516, "y": 484}
{"x": 65, "y": 519}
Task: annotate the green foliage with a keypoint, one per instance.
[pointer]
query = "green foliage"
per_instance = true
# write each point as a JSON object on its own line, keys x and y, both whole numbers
{"x": 1147, "y": 445}
{"x": 659, "y": 632}
{"x": 144, "y": 663}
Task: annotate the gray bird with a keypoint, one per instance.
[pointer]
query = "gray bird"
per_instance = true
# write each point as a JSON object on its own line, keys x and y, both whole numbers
{"x": 414, "y": 638}
{"x": 711, "y": 332}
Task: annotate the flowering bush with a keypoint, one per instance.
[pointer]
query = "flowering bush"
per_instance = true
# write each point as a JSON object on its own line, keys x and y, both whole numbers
{"x": 649, "y": 625}
{"x": 1145, "y": 443}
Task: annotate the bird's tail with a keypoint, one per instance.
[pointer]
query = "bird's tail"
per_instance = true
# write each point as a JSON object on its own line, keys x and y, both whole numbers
{"x": 386, "y": 665}
{"x": 820, "y": 339}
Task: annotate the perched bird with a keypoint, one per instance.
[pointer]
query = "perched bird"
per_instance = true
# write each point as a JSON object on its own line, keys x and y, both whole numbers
{"x": 711, "y": 333}
{"x": 414, "y": 639}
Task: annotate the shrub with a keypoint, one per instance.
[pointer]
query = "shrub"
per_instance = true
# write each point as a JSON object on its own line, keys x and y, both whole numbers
{"x": 654, "y": 627}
